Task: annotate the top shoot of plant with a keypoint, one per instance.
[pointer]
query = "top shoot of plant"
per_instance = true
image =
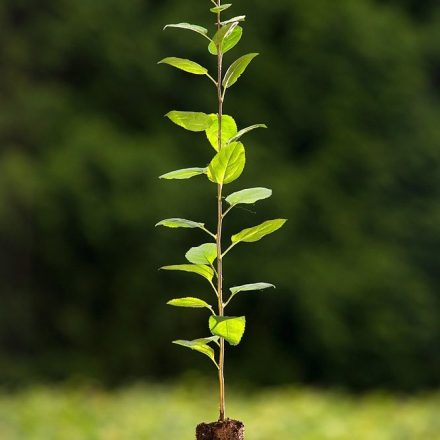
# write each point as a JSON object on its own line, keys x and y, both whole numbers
{"x": 226, "y": 166}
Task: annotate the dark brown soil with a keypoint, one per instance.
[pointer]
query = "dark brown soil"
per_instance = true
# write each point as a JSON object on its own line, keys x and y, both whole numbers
{"x": 227, "y": 430}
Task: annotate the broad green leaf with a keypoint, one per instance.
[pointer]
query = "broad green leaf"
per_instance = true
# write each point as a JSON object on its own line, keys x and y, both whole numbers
{"x": 200, "y": 269}
{"x": 197, "y": 346}
{"x": 203, "y": 254}
{"x": 237, "y": 68}
{"x": 248, "y": 196}
{"x": 194, "y": 303}
{"x": 228, "y": 164}
{"x": 258, "y": 232}
{"x": 185, "y": 173}
{"x": 192, "y": 121}
{"x": 229, "y": 41}
{"x": 191, "y": 27}
{"x": 235, "y": 19}
{"x": 250, "y": 287}
{"x": 186, "y": 65}
{"x": 180, "y": 223}
{"x": 229, "y": 129}
{"x": 229, "y": 327}
{"x": 221, "y": 8}
{"x": 246, "y": 130}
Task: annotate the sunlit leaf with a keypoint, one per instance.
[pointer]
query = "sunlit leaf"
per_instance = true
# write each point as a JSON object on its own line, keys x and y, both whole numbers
{"x": 194, "y": 303}
{"x": 234, "y": 19}
{"x": 231, "y": 328}
{"x": 197, "y": 346}
{"x": 258, "y": 232}
{"x": 248, "y": 196}
{"x": 246, "y": 130}
{"x": 185, "y": 173}
{"x": 191, "y": 27}
{"x": 228, "y": 42}
{"x": 221, "y": 8}
{"x": 250, "y": 287}
{"x": 185, "y": 65}
{"x": 179, "y": 223}
{"x": 203, "y": 254}
{"x": 228, "y": 164}
{"x": 192, "y": 121}
{"x": 236, "y": 69}
{"x": 229, "y": 129}
{"x": 200, "y": 269}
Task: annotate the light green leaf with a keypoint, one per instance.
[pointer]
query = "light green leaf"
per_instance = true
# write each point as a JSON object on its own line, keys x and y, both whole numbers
{"x": 248, "y": 196}
{"x": 246, "y": 130}
{"x": 203, "y": 254}
{"x": 190, "y": 302}
{"x": 185, "y": 173}
{"x": 228, "y": 164}
{"x": 200, "y": 269}
{"x": 229, "y": 129}
{"x": 237, "y": 68}
{"x": 228, "y": 42}
{"x": 198, "y": 346}
{"x": 192, "y": 121}
{"x": 186, "y": 65}
{"x": 180, "y": 223}
{"x": 235, "y": 19}
{"x": 207, "y": 340}
{"x": 221, "y": 8}
{"x": 222, "y": 33}
{"x": 191, "y": 27}
{"x": 250, "y": 287}
{"x": 229, "y": 327}
{"x": 258, "y": 232}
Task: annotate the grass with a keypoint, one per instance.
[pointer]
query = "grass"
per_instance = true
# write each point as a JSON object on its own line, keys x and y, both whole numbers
{"x": 153, "y": 412}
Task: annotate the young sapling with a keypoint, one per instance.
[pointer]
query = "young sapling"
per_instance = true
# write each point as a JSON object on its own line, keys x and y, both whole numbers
{"x": 226, "y": 165}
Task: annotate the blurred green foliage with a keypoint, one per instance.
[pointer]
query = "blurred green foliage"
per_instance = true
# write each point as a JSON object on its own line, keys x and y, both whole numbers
{"x": 350, "y": 91}
{"x": 157, "y": 412}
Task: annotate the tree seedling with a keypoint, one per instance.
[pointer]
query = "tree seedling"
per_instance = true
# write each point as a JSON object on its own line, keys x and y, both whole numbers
{"x": 227, "y": 164}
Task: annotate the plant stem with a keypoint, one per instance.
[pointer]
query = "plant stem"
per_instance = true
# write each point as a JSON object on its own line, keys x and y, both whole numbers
{"x": 221, "y": 362}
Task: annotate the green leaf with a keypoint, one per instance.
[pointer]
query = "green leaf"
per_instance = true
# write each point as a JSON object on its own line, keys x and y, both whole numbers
{"x": 192, "y": 121}
{"x": 191, "y": 27}
{"x": 237, "y": 68}
{"x": 200, "y": 269}
{"x": 222, "y": 33}
{"x": 185, "y": 173}
{"x": 207, "y": 340}
{"x": 258, "y": 232}
{"x": 235, "y": 19}
{"x": 250, "y": 287}
{"x": 197, "y": 346}
{"x": 180, "y": 223}
{"x": 186, "y": 65}
{"x": 229, "y": 327}
{"x": 228, "y": 164}
{"x": 246, "y": 130}
{"x": 221, "y": 8}
{"x": 248, "y": 196}
{"x": 229, "y": 41}
{"x": 190, "y": 302}
{"x": 229, "y": 129}
{"x": 203, "y": 254}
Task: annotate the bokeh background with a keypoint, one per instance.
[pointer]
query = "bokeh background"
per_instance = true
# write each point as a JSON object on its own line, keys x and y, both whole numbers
{"x": 350, "y": 90}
